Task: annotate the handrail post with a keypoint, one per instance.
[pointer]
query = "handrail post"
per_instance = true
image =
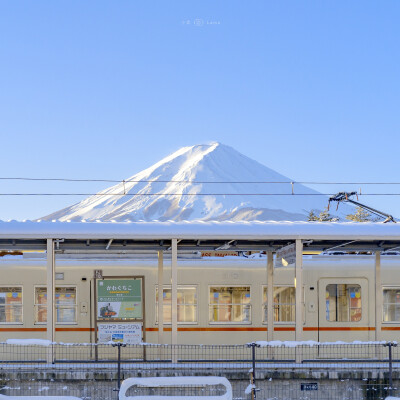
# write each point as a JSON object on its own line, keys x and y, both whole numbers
{"x": 389, "y": 345}
{"x": 119, "y": 345}
{"x": 254, "y": 390}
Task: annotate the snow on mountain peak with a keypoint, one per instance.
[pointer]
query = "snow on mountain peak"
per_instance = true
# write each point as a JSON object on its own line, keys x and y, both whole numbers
{"x": 193, "y": 183}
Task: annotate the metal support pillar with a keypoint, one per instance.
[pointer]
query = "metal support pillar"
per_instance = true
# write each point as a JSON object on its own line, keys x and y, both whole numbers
{"x": 160, "y": 297}
{"x": 378, "y": 297}
{"x": 270, "y": 295}
{"x": 50, "y": 288}
{"x": 299, "y": 289}
{"x": 174, "y": 292}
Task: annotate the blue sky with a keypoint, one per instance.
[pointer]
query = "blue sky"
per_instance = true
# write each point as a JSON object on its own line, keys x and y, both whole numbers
{"x": 101, "y": 89}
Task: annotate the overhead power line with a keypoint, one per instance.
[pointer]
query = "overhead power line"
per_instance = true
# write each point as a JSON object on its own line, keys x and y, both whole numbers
{"x": 187, "y": 194}
{"x": 125, "y": 193}
{"x": 191, "y": 181}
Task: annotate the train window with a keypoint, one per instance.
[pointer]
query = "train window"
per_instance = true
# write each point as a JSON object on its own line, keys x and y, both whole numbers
{"x": 65, "y": 302}
{"x": 230, "y": 304}
{"x": 11, "y": 305}
{"x": 284, "y": 304}
{"x": 343, "y": 303}
{"x": 187, "y": 304}
{"x": 391, "y": 304}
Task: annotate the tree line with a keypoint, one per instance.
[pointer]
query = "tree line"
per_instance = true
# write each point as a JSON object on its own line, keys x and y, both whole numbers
{"x": 360, "y": 215}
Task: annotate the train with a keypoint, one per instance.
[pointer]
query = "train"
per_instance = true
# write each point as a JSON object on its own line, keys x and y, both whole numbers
{"x": 220, "y": 300}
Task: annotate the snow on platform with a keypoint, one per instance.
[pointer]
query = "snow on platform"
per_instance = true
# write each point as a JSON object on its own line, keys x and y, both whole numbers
{"x": 29, "y": 342}
{"x": 3, "y": 397}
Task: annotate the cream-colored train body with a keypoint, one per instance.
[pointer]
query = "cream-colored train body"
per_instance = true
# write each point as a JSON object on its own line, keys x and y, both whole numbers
{"x": 224, "y": 302}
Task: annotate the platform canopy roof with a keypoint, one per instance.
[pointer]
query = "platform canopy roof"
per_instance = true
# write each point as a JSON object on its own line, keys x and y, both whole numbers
{"x": 198, "y": 235}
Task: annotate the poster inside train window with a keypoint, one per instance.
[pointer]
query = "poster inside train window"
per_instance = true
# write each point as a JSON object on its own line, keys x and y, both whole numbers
{"x": 119, "y": 299}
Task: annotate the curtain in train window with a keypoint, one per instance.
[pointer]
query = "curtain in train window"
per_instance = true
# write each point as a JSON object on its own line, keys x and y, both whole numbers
{"x": 187, "y": 304}
{"x": 343, "y": 303}
{"x": 391, "y": 305}
{"x": 284, "y": 304}
{"x": 11, "y": 305}
{"x": 230, "y": 304}
{"x": 65, "y": 303}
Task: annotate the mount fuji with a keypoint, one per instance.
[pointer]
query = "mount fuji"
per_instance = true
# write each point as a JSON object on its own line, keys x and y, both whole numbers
{"x": 202, "y": 182}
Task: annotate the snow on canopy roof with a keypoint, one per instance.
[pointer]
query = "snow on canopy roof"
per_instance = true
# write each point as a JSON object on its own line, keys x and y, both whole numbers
{"x": 196, "y": 230}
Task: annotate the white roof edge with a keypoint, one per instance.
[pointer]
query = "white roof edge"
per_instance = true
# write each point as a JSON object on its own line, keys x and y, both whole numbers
{"x": 255, "y": 230}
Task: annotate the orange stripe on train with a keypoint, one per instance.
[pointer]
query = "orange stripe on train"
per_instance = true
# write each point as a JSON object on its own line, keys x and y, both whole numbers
{"x": 220, "y": 329}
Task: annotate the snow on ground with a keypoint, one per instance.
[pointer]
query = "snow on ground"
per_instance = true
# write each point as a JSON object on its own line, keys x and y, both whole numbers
{"x": 250, "y": 388}
{"x": 348, "y": 365}
{"x": 2, "y": 396}
{"x": 311, "y": 343}
{"x": 29, "y": 342}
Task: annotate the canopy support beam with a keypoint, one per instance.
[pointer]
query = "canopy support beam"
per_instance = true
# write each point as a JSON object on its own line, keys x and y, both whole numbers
{"x": 50, "y": 284}
{"x": 299, "y": 289}
{"x": 160, "y": 296}
{"x": 270, "y": 295}
{"x": 174, "y": 291}
{"x": 378, "y": 297}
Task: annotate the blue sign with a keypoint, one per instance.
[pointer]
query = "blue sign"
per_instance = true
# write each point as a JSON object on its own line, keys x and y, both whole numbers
{"x": 309, "y": 386}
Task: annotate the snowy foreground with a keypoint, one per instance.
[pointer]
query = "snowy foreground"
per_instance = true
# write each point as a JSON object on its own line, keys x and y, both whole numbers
{"x": 38, "y": 397}
{"x": 125, "y": 398}
{"x": 86, "y": 386}
{"x": 158, "y": 382}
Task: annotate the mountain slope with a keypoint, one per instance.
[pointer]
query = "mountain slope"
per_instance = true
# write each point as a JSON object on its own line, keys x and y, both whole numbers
{"x": 195, "y": 172}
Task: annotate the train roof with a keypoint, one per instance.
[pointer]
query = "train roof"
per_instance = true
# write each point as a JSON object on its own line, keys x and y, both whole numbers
{"x": 309, "y": 262}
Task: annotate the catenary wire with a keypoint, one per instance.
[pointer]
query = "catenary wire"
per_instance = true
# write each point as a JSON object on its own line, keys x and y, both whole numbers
{"x": 188, "y": 194}
{"x": 99, "y": 194}
{"x": 191, "y": 181}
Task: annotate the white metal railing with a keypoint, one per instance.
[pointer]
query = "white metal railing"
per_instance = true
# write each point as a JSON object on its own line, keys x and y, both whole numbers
{"x": 176, "y": 382}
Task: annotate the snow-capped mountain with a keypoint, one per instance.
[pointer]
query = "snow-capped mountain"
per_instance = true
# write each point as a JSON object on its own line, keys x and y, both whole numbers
{"x": 197, "y": 173}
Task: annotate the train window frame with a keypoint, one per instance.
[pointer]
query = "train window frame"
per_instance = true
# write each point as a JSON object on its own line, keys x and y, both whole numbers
{"x": 391, "y": 287}
{"x": 249, "y": 322}
{"x": 349, "y": 304}
{"x": 196, "y": 287}
{"x": 36, "y": 287}
{"x": 22, "y": 304}
{"x": 263, "y": 305}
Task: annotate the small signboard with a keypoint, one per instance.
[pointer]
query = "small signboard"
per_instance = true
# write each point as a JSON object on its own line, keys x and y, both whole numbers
{"x": 120, "y": 332}
{"x": 286, "y": 255}
{"x": 119, "y": 299}
{"x": 309, "y": 386}
{"x": 222, "y": 253}
{"x": 98, "y": 273}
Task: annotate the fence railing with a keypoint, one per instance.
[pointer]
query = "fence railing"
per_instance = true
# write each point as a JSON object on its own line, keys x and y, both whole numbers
{"x": 262, "y": 370}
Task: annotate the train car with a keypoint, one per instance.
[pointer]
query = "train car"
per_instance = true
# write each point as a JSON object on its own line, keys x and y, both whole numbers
{"x": 220, "y": 301}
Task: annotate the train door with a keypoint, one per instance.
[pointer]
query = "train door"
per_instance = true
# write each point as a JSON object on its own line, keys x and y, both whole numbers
{"x": 343, "y": 309}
